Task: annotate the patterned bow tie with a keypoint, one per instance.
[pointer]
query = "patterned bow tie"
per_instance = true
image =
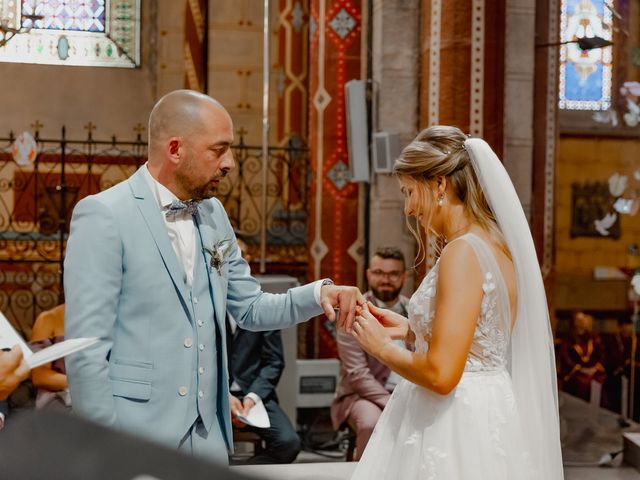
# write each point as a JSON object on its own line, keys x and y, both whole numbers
{"x": 177, "y": 206}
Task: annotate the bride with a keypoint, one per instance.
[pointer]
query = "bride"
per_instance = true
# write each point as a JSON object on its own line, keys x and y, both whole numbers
{"x": 479, "y": 398}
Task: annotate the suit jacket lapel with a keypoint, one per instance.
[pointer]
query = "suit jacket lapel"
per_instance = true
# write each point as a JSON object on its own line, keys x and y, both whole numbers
{"x": 210, "y": 236}
{"x": 148, "y": 207}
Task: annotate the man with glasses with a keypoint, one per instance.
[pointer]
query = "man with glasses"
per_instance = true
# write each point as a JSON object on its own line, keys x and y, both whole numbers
{"x": 365, "y": 384}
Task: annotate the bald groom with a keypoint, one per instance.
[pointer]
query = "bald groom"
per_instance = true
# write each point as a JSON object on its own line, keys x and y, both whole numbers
{"x": 152, "y": 266}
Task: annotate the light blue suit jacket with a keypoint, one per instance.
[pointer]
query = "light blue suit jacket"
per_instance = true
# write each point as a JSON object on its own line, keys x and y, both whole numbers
{"x": 124, "y": 283}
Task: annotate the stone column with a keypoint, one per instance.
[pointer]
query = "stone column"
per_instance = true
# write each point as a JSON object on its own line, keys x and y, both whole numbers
{"x": 545, "y": 131}
{"x": 519, "y": 95}
{"x": 395, "y": 73}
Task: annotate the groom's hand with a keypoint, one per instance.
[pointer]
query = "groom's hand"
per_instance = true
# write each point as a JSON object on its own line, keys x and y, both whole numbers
{"x": 344, "y": 299}
{"x": 236, "y": 407}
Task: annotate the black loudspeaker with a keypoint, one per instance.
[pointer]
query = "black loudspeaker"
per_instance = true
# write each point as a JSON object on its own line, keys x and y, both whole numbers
{"x": 385, "y": 148}
{"x": 52, "y": 446}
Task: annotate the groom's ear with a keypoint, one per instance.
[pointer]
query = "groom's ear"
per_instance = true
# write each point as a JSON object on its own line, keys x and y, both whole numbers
{"x": 173, "y": 150}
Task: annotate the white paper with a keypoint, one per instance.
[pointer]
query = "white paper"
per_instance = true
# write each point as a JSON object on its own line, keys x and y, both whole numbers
{"x": 59, "y": 350}
{"x": 9, "y": 337}
{"x": 257, "y": 416}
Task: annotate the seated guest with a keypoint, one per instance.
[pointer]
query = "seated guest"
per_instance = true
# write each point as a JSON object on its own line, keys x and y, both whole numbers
{"x": 256, "y": 362}
{"x": 13, "y": 370}
{"x": 617, "y": 349}
{"x": 50, "y": 379}
{"x": 365, "y": 384}
{"x": 582, "y": 358}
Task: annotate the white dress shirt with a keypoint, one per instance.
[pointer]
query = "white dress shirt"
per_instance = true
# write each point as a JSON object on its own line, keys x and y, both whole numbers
{"x": 180, "y": 225}
{"x": 234, "y": 385}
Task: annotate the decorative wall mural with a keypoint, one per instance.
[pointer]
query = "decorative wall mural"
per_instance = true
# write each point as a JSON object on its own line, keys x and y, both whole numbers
{"x": 592, "y": 212}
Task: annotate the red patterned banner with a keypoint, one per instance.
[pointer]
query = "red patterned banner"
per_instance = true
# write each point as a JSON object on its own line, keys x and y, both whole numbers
{"x": 335, "y": 52}
{"x": 195, "y": 45}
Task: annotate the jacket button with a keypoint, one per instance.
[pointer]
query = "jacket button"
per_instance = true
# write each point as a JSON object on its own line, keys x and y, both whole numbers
{"x": 182, "y": 391}
{"x": 201, "y": 394}
{"x": 201, "y": 370}
{"x": 195, "y": 299}
{"x": 200, "y": 323}
{"x": 201, "y": 346}
{"x": 188, "y": 343}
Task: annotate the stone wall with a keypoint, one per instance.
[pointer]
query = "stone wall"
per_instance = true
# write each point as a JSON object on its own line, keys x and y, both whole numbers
{"x": 590, "y": 159}
{"x": 113, "y": 99}
{"x": 395, "y": 72}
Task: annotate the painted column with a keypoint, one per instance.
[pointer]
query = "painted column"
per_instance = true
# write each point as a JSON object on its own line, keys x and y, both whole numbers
{"x": 462, "y": 81}
{"x": 195, "y": 45}
{"x": 292, "y": 75}
{"x": 335, "y": 56}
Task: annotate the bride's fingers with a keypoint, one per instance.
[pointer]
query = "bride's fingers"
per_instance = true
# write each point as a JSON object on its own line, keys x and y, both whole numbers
{"x": 365, "y": 315}
{"x": 356, "y": 329}
{"x": 378, "y": 313}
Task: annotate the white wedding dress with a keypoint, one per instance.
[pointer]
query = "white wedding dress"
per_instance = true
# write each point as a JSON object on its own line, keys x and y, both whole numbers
{"x": 473, "y": 433}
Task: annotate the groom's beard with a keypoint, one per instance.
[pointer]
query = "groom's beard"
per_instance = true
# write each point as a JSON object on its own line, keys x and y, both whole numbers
{"x": 386, "y": 296}
{"x": 193, "y": 183}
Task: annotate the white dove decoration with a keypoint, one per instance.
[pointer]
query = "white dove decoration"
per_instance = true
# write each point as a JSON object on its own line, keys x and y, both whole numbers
{"x": 631, "y": 87}
{"x": 604, "y": 224}
{"x": 24, "y": 149}
{"x": 632, "y": 117}
{"x": 606, "y": 116}
{"x": 617, "y": 184}
{"x": 627, "y": 206}
{"x": 635, "y": 283}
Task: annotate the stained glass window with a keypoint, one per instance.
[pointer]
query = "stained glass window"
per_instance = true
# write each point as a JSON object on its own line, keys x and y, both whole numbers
{"x": 85, "y": 16}
{"x": 585, "y": 75}
{"x": 74, "y": 32}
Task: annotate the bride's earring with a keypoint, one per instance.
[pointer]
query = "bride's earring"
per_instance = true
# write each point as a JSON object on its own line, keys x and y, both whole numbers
{"x": 440, "y": 200}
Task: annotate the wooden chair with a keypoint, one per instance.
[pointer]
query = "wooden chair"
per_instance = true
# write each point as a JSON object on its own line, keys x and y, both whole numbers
{"x": 247, "y": 436}
{"x": 351, "y": 443}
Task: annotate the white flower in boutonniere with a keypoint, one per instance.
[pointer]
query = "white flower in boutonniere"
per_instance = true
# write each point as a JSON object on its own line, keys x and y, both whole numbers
{"x": 217, "y": 253}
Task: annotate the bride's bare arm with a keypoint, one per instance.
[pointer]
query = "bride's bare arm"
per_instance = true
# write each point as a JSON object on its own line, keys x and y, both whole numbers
{"x": 459, "y": 295}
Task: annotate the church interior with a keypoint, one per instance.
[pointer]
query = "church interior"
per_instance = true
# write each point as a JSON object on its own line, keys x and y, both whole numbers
{"x": 323, "y": 95}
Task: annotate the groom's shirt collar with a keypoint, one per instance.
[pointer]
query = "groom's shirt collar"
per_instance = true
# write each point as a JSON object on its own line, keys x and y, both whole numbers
{"x": 180, "y": 227}
{"x": 164, "y": 197}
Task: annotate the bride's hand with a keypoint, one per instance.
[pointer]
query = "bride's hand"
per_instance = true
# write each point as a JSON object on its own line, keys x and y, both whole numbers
{"x": 395, "y": 324}
{"x": 371, "y": 336}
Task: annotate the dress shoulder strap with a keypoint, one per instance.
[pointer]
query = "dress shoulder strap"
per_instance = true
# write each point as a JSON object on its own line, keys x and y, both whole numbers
{"x": 493, "y": 279}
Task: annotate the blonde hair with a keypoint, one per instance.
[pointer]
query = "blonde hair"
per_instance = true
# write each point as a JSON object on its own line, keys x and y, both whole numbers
{"x": 439, "y": 151}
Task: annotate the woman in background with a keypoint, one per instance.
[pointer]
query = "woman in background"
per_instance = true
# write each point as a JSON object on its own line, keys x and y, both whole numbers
{"x": 50, "y": 379}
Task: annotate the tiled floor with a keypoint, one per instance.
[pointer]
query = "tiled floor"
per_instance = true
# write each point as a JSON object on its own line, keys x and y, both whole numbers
{"x": 586, "y": 433}
{"x": 342, "y": 471}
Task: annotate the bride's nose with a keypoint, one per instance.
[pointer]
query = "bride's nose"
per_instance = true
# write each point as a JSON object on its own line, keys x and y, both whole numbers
{"x": 408, "y": 208}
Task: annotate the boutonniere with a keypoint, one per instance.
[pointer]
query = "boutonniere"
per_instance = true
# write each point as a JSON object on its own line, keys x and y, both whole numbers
{"x": 217, "y": 253}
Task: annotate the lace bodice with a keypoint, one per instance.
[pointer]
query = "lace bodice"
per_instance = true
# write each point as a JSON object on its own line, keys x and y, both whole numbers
{"x": 490, "y": 343}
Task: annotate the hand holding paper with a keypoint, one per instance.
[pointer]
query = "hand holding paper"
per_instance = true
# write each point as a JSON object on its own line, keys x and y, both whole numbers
{"x": 256, "y": 417}
{"x": 13, "y": 369}
{"x": 9, "y": 337}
